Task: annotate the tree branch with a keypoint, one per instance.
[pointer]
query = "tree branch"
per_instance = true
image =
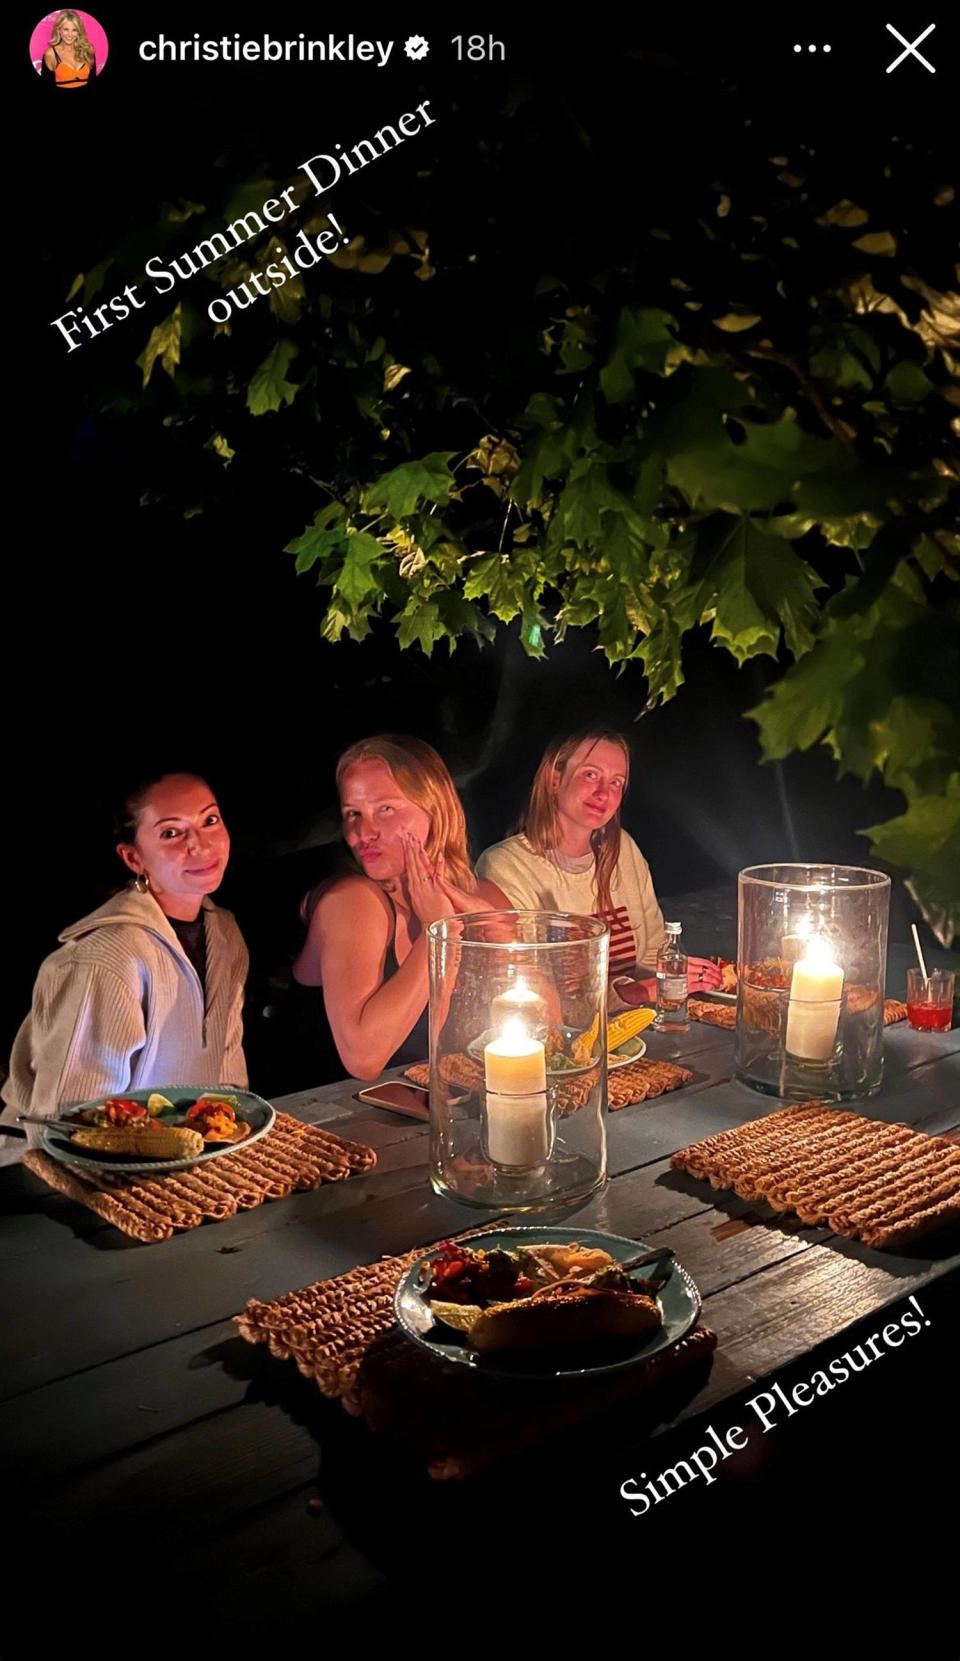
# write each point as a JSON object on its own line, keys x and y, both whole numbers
{"x": 811, "y": 387}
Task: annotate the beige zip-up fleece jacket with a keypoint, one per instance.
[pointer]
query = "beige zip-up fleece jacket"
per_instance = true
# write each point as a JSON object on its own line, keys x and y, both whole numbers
{"x": 120, "y": 1007}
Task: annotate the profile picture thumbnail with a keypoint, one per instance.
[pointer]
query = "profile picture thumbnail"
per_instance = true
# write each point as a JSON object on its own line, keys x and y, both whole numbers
{"x": 68, "y": 49}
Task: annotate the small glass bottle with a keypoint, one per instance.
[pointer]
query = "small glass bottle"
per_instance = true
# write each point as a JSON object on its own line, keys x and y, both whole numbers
{"x": 672, "y": 983}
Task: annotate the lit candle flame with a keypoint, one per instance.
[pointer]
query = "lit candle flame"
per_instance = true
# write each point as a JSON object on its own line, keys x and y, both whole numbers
{"x": 513, "y": 1037}
{"x": 818, "y": 954}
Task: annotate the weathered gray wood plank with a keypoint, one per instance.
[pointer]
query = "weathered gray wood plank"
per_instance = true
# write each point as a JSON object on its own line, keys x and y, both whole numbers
{"x": 814, "y": 1296}
{"x": 648, "y": 1201}
{"x": 122, "y": 1296}
{"x": 724, "y": 1245}
{"x": 187, "y": 1483}
{"x": 67, "y": 1302}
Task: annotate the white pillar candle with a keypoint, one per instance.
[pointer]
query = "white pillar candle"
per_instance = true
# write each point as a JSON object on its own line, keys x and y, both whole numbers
{"x": 515, "y": 1064}
{"x": 814, "y": 1008}
{"x": 517, "y": 1129}
{"x": 515, "y": 1072}
{"x": 519, "y": 1000}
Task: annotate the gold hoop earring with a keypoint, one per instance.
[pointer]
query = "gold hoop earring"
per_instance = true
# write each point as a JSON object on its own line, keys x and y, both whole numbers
{"x": 141, "y": 882}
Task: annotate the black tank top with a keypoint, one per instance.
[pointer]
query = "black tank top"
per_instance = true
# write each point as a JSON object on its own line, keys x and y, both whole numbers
{"x": 416, "y": 1046}
{"x": 310, "y": 1018}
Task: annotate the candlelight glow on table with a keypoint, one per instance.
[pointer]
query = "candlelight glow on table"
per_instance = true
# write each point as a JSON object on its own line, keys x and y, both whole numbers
{"x": 507, "y": 1131}
{"x": 812, "y": 953}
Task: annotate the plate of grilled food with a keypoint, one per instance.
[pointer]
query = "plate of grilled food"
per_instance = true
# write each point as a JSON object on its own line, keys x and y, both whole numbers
{"x": 152, "y": 1131}
{"x": 546, "y": 1302}
{"x": 569, "y": 1051}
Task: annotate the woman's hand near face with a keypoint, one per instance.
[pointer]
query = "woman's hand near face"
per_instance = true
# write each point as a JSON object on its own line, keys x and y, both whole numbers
{"x": 427, "y": 893}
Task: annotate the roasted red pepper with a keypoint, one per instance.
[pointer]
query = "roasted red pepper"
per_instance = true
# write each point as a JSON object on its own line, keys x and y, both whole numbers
{"x": 120, "y": 1110}
{"x": 464, "y": 1276}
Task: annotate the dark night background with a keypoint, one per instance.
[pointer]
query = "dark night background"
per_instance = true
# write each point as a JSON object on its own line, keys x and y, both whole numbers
{"x": 134, "y": 637}
{"x": 148, "y": 638}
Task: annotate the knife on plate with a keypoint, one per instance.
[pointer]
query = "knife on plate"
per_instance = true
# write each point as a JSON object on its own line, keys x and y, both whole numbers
{"x": 52, "y": 1124}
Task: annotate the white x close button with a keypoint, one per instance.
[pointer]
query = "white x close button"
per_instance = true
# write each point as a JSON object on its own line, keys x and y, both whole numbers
{"x": 911, "y": 49}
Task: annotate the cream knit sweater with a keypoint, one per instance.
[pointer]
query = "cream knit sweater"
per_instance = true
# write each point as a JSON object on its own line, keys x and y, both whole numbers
{"x": 533, "y": 881}
{"x": 120, "y": 1007}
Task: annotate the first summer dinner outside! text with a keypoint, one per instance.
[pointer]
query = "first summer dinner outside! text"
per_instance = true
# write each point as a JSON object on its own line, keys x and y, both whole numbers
{"x": 323, "y": 171}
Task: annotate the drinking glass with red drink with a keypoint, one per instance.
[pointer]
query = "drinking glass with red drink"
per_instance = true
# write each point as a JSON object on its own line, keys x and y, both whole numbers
{"x": 930, "y": 1000}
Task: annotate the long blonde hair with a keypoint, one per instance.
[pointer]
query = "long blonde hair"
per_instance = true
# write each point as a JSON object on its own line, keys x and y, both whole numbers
{"x": 540, "y": 820}
{"x": 81, "y": 45}
{"x": 422, "y": 776}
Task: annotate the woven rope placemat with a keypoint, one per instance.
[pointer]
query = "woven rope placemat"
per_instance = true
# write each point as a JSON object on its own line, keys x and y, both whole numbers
{"x": 639, "y": 1082}
{"x": 713, "y": 1015}
{"x": 291, "y": 1155}
{"x": 342, "y": 1333}
{"x": 725, "y": 1015}
{"x": 886, "y": 1184}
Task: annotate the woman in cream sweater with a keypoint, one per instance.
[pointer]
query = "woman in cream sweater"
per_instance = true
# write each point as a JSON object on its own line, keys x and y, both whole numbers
{"x": 572, "y": 855}
{"x": 148, "y": 989}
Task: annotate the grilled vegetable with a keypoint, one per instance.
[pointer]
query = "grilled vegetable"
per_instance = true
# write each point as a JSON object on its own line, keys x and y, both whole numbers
{"x": 152, "y": 1142}
{"x": 582, "y": 1050}
{"x": 121, "y": 1110}
{"x": 627, "y": 1026}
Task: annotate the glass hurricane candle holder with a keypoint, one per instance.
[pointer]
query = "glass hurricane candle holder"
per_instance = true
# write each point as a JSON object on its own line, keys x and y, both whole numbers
{"x": 812, "y": 963}
{"x": 518, "y": 1076}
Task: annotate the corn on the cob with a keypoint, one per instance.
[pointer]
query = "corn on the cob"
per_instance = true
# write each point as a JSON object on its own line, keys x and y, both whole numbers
{"x": 165, "y": 1142}
{"x": 627, "y": 1026}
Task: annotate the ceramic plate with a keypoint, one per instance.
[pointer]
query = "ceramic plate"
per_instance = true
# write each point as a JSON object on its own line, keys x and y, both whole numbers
{"x": 679, "y": 1303}
{"x": 257, "y": 1113}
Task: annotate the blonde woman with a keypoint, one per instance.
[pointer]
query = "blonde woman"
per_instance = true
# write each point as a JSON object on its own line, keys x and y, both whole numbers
{"x": 366, "y": 932}
{"x": 69, "y": 60}
{"x": 572, "y": 855}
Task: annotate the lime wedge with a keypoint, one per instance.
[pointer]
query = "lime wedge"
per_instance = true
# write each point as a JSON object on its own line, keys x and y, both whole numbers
{"x": 461, "y": 1316}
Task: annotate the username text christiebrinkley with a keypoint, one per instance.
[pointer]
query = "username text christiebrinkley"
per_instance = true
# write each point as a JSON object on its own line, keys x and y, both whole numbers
{"x": 234, "y": 49}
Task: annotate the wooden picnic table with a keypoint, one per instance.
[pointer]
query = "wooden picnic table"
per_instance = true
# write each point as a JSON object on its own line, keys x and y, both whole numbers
{"x": 132, "y": 1410}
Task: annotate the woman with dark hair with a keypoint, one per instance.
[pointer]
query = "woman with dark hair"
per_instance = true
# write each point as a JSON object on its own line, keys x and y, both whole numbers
{"x": 572, "y": 855}
{"x": 366, "y": 931}
{"x": 148, "y": 989}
